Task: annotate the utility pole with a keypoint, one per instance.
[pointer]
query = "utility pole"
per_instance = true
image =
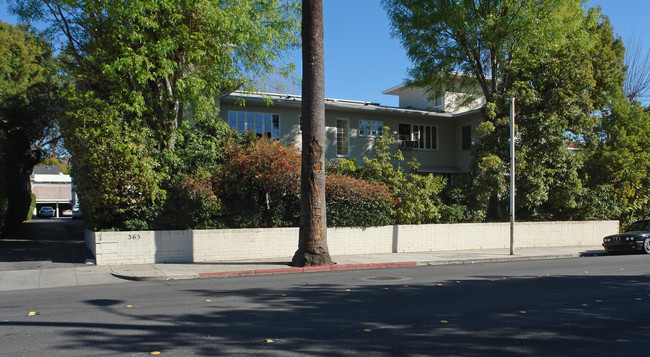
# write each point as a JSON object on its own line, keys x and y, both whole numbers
{"x": 512, "y": 176}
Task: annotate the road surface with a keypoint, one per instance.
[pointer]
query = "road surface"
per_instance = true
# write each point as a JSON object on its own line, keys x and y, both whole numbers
{"x": 596, "y": 306}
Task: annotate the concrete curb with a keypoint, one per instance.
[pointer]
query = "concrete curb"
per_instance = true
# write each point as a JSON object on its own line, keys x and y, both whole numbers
{"x": 499, "y": 260}
{"x": 252, "y": 272}
{"x": 224, "y": 274}
{"x": 307, "y": 269}
{"x": 154, "y": 277}
{"x": 147, "y": 277}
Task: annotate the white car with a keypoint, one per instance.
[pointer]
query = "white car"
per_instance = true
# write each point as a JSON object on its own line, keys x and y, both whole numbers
{"x": 76, "y": 212}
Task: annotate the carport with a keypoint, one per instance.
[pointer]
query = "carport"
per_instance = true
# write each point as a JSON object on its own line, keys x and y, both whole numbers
{"x": 52, "y": 189}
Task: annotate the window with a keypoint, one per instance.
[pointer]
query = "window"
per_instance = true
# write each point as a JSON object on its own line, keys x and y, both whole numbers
{"x": 404, "y": 132}
{"x": 342, "y": 132}
{"x": 417, "y": 136}
{"x": 371, "y": 128}
{"x": 263, "y": 124}
{"x": 438, "y": 102}
{"x": 466, "y": 137}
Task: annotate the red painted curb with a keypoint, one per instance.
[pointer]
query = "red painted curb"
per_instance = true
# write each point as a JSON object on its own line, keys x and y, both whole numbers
{"x": 225, "y": 274}
{"x": 322, "y": 268}
{"x": 278, "y": 271}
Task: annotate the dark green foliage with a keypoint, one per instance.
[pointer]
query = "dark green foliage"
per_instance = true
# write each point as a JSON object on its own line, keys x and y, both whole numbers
{"x": 617, "y": 184}
{"x": 354, "y": 202}
{"x": 116, "y": 177}
{"x": 190, "y": 204}
{"x": 457, "y": 205}
{"x": 141, "y": 121}
{"x": 363, "y": 213}
{"x": 28, "y": 108}
{"x": 561, "y": 62}
{"x": 32, "y": 207}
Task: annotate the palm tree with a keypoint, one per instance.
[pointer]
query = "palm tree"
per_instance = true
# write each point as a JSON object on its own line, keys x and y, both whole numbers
{"x": 312, "y": 245}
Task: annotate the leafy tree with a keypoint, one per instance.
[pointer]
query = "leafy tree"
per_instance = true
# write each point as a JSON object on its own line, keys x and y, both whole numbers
{"x": 416, "y": 196}
{"x": 616, "y": 170}
{"x": 157, "y": 59}
{"x": 312, "y": 245}
{"x": 146, "y": 75}
{"x": 53, "y": 161}
{"x": 28, "y": 109}
{"x": 560, "y": 62}
{"x": 118, "y": 181}
{"x": 481, "y": 39}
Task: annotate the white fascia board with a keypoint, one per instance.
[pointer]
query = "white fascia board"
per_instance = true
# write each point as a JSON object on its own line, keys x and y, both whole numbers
{"x": 393, "y": 90}
{"x": 52, "y": 178}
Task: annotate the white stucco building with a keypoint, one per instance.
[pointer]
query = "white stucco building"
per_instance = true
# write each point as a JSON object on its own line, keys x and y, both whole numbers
{"x": 439, "y": 134}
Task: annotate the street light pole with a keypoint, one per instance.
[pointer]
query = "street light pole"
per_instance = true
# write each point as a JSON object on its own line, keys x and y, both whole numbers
{"x": 512, "y": 176}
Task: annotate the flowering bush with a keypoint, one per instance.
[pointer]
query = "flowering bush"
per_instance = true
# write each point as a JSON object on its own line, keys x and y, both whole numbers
{"x": 260, "y": 187}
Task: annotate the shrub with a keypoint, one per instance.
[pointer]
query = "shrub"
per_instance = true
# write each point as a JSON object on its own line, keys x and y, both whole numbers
{"x": 117, "y": 179}
{"x": 354, "y": 202}
{"x": 417, "y": 196}
{"x": 260, "y": 185}
{"x": 190, "y": 204}
{"x": 32, "y": 207}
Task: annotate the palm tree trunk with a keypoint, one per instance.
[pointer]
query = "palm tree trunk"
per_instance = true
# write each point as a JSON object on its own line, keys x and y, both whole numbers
{"x": 312, "y": 246}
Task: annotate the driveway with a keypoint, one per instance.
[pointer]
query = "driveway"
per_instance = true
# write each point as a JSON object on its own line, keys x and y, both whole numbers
{"x": 44, "y": 243}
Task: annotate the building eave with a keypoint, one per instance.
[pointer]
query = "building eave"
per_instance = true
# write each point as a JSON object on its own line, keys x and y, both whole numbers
{"x": 289, "y": 100}
{"x": 393, "y": 90}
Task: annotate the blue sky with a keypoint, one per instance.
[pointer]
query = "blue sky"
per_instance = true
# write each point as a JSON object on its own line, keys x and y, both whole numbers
{"x": 361, "y": 59}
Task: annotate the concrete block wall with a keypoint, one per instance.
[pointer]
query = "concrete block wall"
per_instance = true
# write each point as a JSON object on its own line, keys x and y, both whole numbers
{"x": 237, "y": 244}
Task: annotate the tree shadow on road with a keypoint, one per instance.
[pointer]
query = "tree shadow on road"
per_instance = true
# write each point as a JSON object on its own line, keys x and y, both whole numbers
{"x": 557, "y": 315}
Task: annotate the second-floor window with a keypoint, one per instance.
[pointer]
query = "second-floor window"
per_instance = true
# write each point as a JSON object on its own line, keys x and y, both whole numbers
{"x": 371, "y": 128}
{"x": 438, "y": 102}
{"x": 466, "y": 137}
{"x": 263, "y": 124}
{"x": 416, "y": 136}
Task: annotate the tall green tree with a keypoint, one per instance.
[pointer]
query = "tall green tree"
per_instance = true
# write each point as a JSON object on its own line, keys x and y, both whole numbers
{"x": 312, "y": 245}
{"x": 561, "y": 62}
{"x": 616, "y": 170}
{"x": 146, "y": 76}
{"x": 156, "y": 58}
{"x": 28, "y": 112}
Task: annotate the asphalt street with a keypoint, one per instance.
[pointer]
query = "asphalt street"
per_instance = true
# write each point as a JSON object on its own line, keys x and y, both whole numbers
{"x": 595, "y": 306}
{"x": 44, "y": 243}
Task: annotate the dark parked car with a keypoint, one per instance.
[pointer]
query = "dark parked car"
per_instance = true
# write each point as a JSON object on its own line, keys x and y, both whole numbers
{"x": 46, "y": 211}
{"x": 635, "y": 237}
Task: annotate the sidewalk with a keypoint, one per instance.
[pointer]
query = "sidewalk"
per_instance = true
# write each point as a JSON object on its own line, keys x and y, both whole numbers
{"x": 91, "y": 274}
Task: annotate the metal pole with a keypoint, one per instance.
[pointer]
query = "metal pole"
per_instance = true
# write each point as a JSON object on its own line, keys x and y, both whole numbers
{"x": 512, "y": 176}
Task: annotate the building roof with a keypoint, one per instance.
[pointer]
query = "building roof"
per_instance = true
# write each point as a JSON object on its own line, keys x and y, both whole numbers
{"x": 396, "y": 89}
{"x": 47, "y": 170}
{"x": 332, "y": 103}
